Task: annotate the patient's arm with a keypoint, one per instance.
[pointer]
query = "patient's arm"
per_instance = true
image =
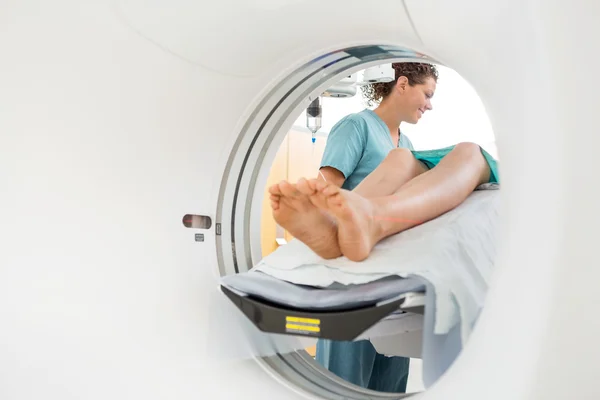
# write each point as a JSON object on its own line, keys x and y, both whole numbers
{"x": 331, "y": 175}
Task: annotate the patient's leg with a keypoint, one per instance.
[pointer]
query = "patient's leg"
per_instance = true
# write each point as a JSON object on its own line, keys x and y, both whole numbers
{"x": 362, "y": 222}
{"x": 307, "y": 223}
{"x": 398, "y": 168}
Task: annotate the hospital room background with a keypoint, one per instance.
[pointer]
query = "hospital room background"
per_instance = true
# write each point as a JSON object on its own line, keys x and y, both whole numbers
{"x": 458, "y": 115}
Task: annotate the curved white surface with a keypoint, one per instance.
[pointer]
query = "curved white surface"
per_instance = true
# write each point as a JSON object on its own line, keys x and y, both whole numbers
{"x": 260, "y": 31}
{"x": 110, "y": 133}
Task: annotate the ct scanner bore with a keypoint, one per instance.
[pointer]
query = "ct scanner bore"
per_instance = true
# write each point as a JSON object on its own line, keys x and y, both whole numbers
{"x": 242, "y": 189}
{"x": 113, "y": 136}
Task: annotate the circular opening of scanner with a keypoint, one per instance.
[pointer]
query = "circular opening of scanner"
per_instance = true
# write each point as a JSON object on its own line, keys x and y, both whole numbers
{"x": 238, "y": 219}
{"x": 238, "y": 233}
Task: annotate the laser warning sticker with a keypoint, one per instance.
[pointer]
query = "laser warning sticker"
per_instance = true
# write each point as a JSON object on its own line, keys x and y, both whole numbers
{"x": 306, "y": 326}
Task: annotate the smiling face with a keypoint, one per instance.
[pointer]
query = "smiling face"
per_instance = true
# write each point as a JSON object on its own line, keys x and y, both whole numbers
{"x": 414, "y": 100}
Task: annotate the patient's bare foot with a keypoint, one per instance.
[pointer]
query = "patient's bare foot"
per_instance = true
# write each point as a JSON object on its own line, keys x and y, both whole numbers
{"x": 317, "y": 198}
{"x": 358, "y": 231}
{"x": 312, "y": 226}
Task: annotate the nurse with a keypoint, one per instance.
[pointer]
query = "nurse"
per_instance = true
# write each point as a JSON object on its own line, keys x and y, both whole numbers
{"x": 356, "y": 146}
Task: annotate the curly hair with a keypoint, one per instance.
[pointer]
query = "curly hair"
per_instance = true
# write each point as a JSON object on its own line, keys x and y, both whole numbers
{"x": 416, "y": 73}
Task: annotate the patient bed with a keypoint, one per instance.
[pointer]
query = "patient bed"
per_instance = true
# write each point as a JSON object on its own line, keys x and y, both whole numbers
{"x": 340, "y": 313}
{"x": 417, "y": 295}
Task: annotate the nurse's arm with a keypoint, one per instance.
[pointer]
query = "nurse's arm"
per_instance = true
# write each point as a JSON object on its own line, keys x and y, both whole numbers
{"x": 332, "y": 175}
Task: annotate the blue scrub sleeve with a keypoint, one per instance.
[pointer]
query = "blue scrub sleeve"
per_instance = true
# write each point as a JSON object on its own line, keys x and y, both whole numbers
{"x": 344, "y": 148}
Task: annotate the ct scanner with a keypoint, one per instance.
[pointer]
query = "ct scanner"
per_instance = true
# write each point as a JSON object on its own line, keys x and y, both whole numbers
{"x": 120, "y": 117}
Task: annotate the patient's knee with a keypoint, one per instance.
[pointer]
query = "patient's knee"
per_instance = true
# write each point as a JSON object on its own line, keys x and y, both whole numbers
{"x": 468, "y": 149}
{"x": 398, "y": 157}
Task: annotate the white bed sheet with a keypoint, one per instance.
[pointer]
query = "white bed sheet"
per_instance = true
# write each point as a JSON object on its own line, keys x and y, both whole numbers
{"x": 455, "y": 253}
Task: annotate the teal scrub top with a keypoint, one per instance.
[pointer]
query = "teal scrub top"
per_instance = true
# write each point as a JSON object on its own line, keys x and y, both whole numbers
{"x": 357, "y": 144}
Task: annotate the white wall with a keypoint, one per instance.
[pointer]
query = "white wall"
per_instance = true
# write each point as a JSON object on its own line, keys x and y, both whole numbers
{"x": 458, "y": 115}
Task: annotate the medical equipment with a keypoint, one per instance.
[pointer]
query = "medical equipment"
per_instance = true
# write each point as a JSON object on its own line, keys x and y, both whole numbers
{"x": 379, "y": 73}
{"x": 313, "y": 118}
{"x": 120, "y": 117}
{"x": 452, "y": 256}
{"x": 345, "y": 88}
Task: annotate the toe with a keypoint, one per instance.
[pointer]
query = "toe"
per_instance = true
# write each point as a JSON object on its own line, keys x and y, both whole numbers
{"x": 335, "y": 200}
{"x": 275, "y": 190}
{"x": 320, "y": 185}
{"x": 304, "y": 187}
{"x": 289, "y": 190}
{"x": 274, "y": 205}
{"x": 331, "y": 190}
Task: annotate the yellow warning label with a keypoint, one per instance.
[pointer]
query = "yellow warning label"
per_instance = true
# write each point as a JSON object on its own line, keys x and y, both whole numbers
{"x": 302, "y": 325}
{"x": 302, "y": 328}
{"x": 311, "y": 321}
